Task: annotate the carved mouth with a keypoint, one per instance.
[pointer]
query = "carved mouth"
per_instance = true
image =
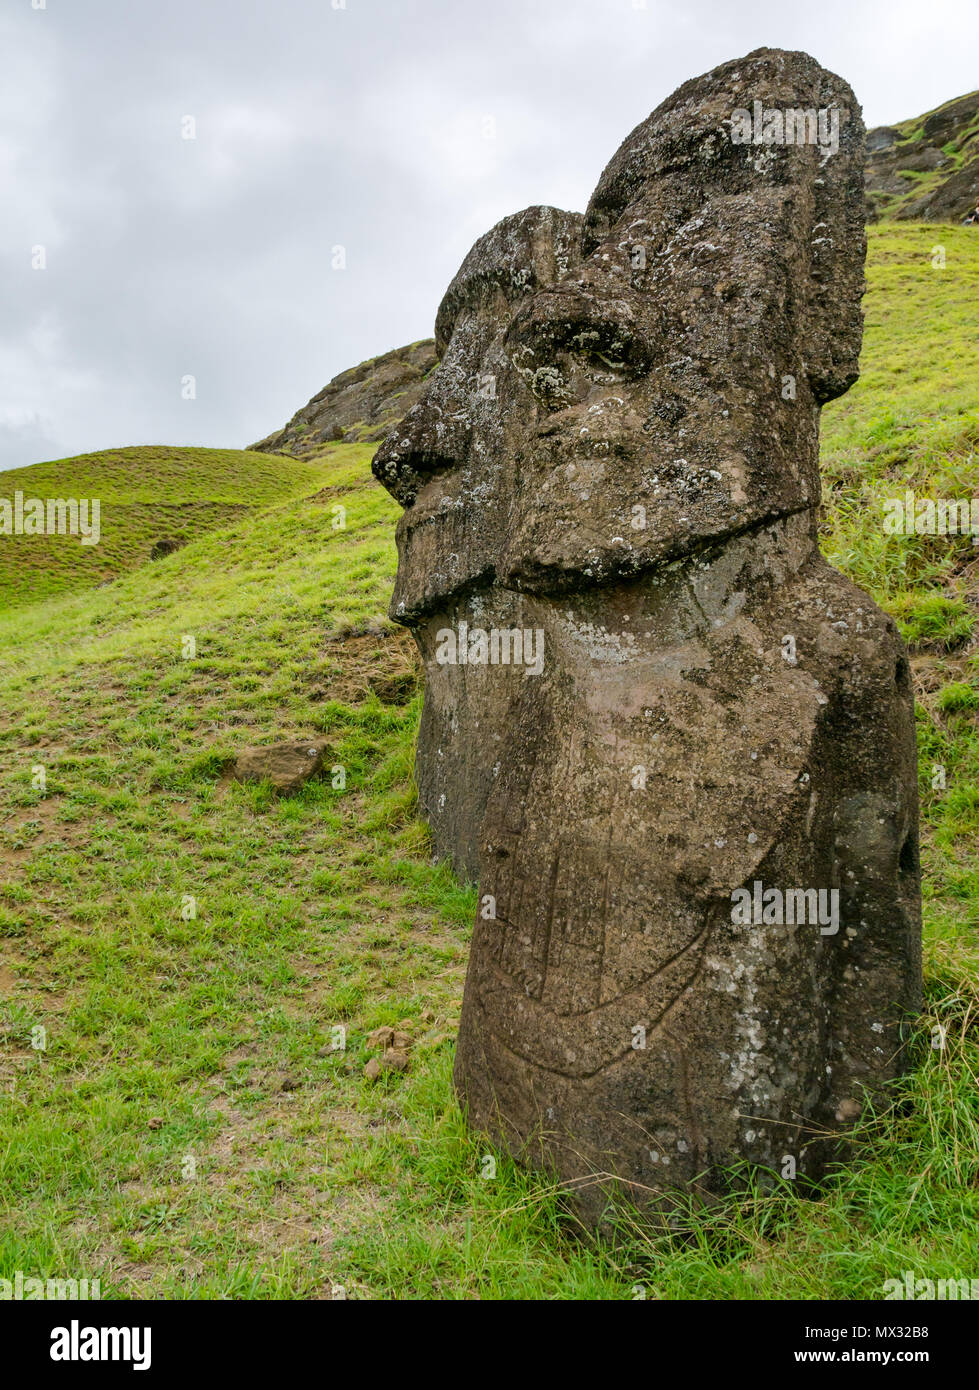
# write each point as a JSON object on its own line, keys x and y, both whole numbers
{"x": 437, "y": 494}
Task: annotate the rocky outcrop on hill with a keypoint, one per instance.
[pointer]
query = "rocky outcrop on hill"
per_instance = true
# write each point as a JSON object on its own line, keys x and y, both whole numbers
{"x": 361, "y": 404}
{"x": 925, "y": 169}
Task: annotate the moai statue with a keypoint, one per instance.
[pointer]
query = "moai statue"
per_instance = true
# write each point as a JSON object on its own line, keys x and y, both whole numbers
{"x": 675, "y": 746}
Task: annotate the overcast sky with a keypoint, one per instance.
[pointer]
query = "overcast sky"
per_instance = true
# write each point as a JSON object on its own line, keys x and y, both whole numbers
{"x": 400, "y": 130}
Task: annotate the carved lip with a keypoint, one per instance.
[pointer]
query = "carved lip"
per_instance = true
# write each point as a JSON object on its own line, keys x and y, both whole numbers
{"x": 439, "y": 486}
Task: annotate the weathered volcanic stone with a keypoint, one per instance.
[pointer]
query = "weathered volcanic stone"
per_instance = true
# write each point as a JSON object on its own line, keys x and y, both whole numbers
{"x": 288, "y": 766}
{"x": 619, "y": 456}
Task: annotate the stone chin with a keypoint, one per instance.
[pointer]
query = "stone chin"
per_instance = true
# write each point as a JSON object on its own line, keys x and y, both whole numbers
{"x": 546, "y": 559}
{"x": 438, "y": 560}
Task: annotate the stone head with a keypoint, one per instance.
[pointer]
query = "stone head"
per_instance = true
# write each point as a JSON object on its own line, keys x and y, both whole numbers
{"x": 625, "y": 388}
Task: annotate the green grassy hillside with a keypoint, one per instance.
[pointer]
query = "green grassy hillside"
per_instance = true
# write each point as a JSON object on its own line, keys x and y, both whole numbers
{"x": 911, "y": 421}
{"x": 147, "y": 495}
{"x": 190, "y": 1128}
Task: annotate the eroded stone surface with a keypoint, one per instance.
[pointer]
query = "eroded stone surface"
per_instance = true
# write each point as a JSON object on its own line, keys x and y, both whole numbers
{"x": 288, "y": 766}
{"x": 618, "y": 458}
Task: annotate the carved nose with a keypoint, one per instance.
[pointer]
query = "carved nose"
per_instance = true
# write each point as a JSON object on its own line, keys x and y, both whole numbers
{"x": 432, "y": 438}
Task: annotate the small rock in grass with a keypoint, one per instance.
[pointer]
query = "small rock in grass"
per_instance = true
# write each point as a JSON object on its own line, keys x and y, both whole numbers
{"x": 288, "y": 766}
{"x": 165, "y": 546}
{"x": 373, "y": 1069}
{"x": 848, "y": 1110}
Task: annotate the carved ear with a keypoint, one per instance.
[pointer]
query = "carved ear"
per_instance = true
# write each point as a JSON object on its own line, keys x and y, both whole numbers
{"x": 837, "y": 250}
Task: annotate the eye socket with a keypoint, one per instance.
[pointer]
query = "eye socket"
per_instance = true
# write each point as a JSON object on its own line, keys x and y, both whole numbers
{"x": 552, "y": 383}
{"x": 598, "y": 332}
